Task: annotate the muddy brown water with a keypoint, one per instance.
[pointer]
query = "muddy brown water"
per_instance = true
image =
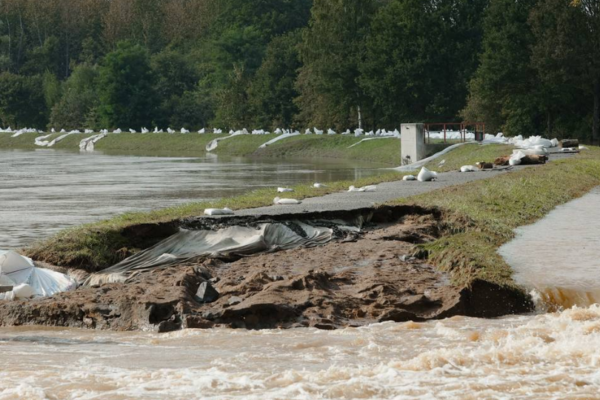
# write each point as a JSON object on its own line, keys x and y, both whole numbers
{"x": 559, "y": 256}
{"x": 44, "y": 191}
{"x": 538, "y": 356}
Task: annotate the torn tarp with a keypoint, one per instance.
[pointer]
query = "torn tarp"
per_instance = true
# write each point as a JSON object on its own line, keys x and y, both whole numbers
{"x": 188, "y": 245}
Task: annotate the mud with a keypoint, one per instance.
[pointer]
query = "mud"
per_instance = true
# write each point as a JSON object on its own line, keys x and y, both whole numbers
{"x": 350, "y": 282}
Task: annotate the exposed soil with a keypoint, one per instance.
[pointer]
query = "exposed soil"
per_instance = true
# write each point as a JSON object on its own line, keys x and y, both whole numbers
{"x": 345, "y": 283}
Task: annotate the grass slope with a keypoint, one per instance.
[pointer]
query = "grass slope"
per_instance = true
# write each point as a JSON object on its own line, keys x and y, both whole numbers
{"x": 385, "y": 152}
{"x": 481, "y": 216}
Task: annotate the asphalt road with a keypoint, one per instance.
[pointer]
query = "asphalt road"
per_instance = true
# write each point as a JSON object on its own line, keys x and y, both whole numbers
{"x": 385, "y": 192}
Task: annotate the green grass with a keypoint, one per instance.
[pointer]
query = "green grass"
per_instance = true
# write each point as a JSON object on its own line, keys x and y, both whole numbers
{"x": 480, "y": 217}
{"x": 380, "y": 151}
{"x": 153, "y": 143}
{"x": 470, "y": 154}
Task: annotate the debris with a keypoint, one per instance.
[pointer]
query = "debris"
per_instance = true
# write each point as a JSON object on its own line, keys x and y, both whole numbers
{"x": 207, "y": 293}
{"x": 284, "y": 190}
{"x": 319, "y": 186}
{"x": 218, "y": 211}
{"x": 234, "y": 300}
{"x": 567, "y": 143}
{"x": 484, "y": 165}
{"x": 409, "y": 178}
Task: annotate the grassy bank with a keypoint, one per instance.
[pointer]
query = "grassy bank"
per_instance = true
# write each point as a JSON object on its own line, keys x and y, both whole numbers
{"x": 384, "y": 152}
{"x": 26, "y": 141}
{"x": 102, "y": 244}
{"x": 481, "y": 216}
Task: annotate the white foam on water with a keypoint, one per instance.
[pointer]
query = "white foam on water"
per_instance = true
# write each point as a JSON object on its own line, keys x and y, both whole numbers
{"x": 539, "y": 356}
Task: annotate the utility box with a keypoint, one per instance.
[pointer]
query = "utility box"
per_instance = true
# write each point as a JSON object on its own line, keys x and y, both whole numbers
{"x": 413, "y": 143}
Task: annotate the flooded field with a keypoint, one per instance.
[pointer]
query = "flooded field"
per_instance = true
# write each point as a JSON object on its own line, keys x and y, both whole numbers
{"x": 559, "y": 256}
{"x": 537, "y": 357}
{"x": 44, "y": 191}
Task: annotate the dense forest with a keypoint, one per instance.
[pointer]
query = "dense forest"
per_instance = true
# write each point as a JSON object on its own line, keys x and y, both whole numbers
{"x": 521, "y": 66}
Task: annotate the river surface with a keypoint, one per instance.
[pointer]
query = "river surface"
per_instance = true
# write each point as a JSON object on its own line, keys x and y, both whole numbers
{"x": 536, "y": 357}
{"x": 44, "y": 191}
{"x": 539, "y": 356}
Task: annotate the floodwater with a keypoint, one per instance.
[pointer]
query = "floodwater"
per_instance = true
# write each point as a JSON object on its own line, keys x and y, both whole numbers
{"x": 559, "y": 256}
{"x": 539, "y": 356}
{"x": 44, "y": 191}
{"x": 535, "y": 357}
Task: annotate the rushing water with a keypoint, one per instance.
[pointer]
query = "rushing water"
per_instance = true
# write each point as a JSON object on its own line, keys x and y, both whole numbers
{"x": 559, "y": 256}
{"x": 540, "y": 356}
{"x": 44, "y": 191}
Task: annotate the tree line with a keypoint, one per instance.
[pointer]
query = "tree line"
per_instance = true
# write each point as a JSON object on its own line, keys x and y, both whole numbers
{"x": 521, "y": 66}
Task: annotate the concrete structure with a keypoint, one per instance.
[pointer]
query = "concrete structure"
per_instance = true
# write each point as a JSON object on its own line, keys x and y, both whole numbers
{"x": 413, "y": 143}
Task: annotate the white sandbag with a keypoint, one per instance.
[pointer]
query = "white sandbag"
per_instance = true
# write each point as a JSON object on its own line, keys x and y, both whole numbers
{"x": 514, "y": 161}
{"x": 468, "y": 168}
{"x": 23, "y": 291}
{"x": 285, "y": 202}
{"x": 582, "y": 147}
{"x": 319, "y": 186}
{"x": 284, "y": 190}
{"x": 426, "y": 175}
{"x": 409, "y": 178}
{"x": 370, "y": 188}
{"x": 218, "y": 211}
{"x": 555, "y": 142}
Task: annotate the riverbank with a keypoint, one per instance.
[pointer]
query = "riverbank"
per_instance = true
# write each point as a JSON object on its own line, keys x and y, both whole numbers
{"x": 422, "y": 257}
{"x": 383, "y": 152}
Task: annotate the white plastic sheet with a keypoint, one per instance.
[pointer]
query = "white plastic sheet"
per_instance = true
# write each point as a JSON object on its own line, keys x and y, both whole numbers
{"x": 16, "y": 271}
{"x": 238, "y": 240}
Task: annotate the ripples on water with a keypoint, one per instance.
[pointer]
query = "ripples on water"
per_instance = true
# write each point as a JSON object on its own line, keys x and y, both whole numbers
{"x": 44, "y": 191}
{"x": 543, "y": 356}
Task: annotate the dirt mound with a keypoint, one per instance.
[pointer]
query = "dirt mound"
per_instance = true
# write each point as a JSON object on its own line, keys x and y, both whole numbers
{"x": 345, "y": 283}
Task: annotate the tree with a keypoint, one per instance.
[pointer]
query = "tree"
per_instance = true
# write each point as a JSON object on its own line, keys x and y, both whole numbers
{"x": 332, "y": 50}
{"x": 79, "y": 98}
{"x": 127, "y": 97}
{"x": 22, "y": 103}
{"x": 175, "y": 74}
{"x": 420, "y": 56}
{"x": 272, "y": 91}
{"x": 506, "y": 92}
{"x": 567, "y": 49}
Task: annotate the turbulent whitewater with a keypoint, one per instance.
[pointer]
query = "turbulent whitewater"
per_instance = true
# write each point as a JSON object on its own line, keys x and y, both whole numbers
{"x": 543, "y": 356}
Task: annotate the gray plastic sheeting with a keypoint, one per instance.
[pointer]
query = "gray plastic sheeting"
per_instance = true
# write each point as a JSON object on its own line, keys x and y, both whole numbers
{"x": 188, "y": 245}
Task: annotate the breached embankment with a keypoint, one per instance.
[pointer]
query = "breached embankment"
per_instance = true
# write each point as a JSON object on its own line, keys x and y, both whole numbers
{"x": 353, "y": 280}
{"x": 385, "y": 273}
